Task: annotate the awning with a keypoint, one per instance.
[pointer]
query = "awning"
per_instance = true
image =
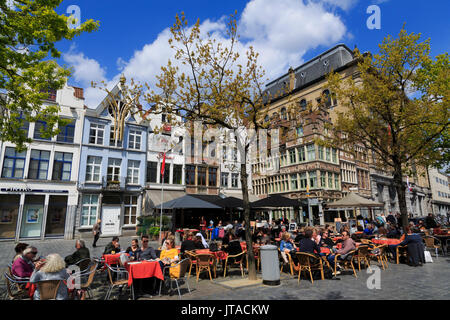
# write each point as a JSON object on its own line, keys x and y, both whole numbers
{"x": 353, "y": 200}
{"x": 189, "y": 202}
{"x": 275, "y": 201}
{"x": 153, "y": 197}
{"x": 251, "y": 196}
{"x": 230, "y": 202}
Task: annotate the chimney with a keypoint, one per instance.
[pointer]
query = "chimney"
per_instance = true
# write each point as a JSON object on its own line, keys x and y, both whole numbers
{"x": 291, "y": 79}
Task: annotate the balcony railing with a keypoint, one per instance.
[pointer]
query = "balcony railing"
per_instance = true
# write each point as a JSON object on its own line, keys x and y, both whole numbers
{"x": 114, "y": 184}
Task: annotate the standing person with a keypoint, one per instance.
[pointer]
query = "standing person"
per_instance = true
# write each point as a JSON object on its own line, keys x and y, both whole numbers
{"x": 203, "y": 226}
{"x": 96, "y": 231}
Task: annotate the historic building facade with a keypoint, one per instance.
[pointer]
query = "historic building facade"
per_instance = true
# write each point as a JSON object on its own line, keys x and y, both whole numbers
{"x": 439, "y": 183}
{"x": 38, "y": 187}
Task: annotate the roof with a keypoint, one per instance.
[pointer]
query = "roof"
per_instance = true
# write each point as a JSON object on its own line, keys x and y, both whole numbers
{"x": 275, "y": 201}
{"x": 354, "y": 200}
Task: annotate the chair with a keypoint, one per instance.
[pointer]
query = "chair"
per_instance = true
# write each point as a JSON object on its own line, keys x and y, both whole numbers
{"x": 430, "y": 244}
{"x": 15, "y": 287}
{"x": 285, "y": 260}
{"x": 117, "y": 277}
{"x": 363, "y": 254}
{"x": 237, "y": 259}
{"x": 89, "y": 276}
{"x": 401, "y": 251}
{"x": 256, "y": 252}
{"x": 347, "y": 261}
{"x": 378, "y": 253}
{"x": 83, "y": 264}
{"x": 48, "y": 289}
{"x": 204, "y": 263}
{"x": 366, "y": 241}
{"x": 309, "y": 262}
{"x": 192, "y": 256}
{"x": 183, "y": 265}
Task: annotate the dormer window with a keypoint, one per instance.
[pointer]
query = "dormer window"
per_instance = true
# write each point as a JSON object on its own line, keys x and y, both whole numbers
{"x": 302, "y": 104}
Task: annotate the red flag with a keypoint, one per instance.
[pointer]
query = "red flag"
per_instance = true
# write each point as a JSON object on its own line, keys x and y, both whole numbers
{"x": 163, "y": 165}
{"x": 389, "y": 129}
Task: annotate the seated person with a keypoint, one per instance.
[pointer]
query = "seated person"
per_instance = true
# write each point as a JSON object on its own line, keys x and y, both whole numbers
{"x": 170, "y": 256}
{"x": 147, "y": 252}
{"x": 134, "y": 251}
{"x": 19, "y": 250}
{"x": 415, "y": 247}
{"x": 81, "y": 253}
{"x": 188, "y": 243}
{"x": 307, "y": 244}
{"x": 300, "y": 235}
{"x": 202, "y": 240}
{"x": 382, "y": 232}
{"x": 368, "y": 231}
{"x": 347, "y": 245}
{"x": 53, "y": 268}
{"x": 170, "y": 236}
{"x": 24, "y": 266}
{"x": 326, "y": 240}
{"x": 113, "y": 247}
{"x": 287, "y": 244}
{"x": 353, "y": 229}
{"x": 234, "y": 247}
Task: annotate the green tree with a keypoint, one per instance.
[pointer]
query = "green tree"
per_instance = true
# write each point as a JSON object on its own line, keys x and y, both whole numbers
{"x": 397, "y": 108}
{"x": 29, "y": 30}
{"x": 214, "y": 88}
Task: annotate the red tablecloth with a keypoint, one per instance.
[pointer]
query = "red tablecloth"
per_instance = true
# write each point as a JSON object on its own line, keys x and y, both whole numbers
{"x": 386, "y": 241}
{"x": 220, "y": 255}
{"x": 143, "y": 269}
{"x": 325, "y": 250}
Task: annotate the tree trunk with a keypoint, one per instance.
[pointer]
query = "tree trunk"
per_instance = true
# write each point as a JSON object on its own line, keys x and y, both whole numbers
{"x": 248, "y": 235}
{"x": 401, "y": 193}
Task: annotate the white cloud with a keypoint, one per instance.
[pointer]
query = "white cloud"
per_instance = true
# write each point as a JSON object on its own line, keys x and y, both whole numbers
{"x": 281, "y": 31}
{"x": 343, "y": 4}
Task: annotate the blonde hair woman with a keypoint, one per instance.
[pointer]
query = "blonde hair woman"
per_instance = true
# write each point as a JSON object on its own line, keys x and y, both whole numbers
{"x": 52, "y": 268}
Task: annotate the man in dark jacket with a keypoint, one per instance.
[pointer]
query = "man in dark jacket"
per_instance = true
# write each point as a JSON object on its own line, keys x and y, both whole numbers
{"x": 430, "y": 222}
{"x": 415, "y": 247}
{"x": 113, "y": 246}
{"x": 308, "y": 245}
{"x": 81, "y": 253}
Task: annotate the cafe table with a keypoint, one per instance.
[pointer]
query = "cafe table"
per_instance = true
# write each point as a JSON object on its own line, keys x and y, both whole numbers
{"x": 443, "y": 238}
{"x": 142, "y": 270}
{"x": 386, "y": 241}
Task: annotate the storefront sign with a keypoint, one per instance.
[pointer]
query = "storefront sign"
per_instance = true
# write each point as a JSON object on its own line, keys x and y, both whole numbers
{"x": 15, "y": 190}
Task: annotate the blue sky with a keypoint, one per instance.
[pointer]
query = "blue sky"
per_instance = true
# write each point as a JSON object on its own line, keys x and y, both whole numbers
{"x": 132, "y": 38}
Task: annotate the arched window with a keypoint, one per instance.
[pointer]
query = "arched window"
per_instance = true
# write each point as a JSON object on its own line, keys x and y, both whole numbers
{"x": 302, "y": 104}
{"x": 283, "y": 113}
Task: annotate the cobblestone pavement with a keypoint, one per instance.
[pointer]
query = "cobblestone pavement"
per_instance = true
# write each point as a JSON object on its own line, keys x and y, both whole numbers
{"x": 429, "y": 282}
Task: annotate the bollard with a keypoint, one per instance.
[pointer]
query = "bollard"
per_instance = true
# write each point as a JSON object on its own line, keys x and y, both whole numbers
{"x": 270, "y": 265}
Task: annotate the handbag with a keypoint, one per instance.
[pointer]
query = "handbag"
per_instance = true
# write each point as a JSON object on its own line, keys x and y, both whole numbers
{"x": 428, "y": 256}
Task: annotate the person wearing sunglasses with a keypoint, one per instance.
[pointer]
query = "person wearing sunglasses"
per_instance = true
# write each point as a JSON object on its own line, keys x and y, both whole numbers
{"x": 147, "y": 252}
{"x": 24, "y": 266}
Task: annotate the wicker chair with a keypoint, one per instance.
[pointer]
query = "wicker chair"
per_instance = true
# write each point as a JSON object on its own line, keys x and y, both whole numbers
{"x": 430, "y": 244}
{"x": 363, "y": 254}
{"x": 205, "y": 261}
{"x": 348, "y": 261}
{"x": 237, "y": 259}
{"x": 309, "y": 262}
{"x": 183, "y": 265}
{"x": 15, "y": 287}
{"x": 380, "y": 254}
{"x": 191, "y": 255}
{"x": 283, "y": 263}
{"x": 48, "y": 289}
{"x": 401, "y": 251}
{"x": 118, "y": 277}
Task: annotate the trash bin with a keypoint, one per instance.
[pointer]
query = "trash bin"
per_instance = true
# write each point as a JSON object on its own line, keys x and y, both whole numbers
{"x": 270, "y": 265}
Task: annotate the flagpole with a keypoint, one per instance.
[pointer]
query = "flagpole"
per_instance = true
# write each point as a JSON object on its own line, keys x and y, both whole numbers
{"x": 162, "y": 197}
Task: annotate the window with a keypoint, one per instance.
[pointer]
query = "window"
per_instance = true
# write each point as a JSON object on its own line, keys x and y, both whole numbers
{"x": 201, "y": 176}
{"x": 294, "y": 182}
{"x": 303, "y": 180}
{"x": 321, "y": 153}
{"x": 177, "y": 174}
{"x": 224, "y": 153}
{"x": 292, "y": 157}
{"x": 14, "y": 163}
{"x": 89, "y": 209}
{"x": 300, "y": 131}
{"x": 283, "y": 114}
{"x": 212, "y": 177}
{"x": 39, "y": 127}
{"x": 328, "y": 154}
{"x": 334, "y": 154}
{"x": 330, "y": 180}
{"x": 234, "y": 180}
{"x": 130, "y": 205}
{"x": 311, "y": 150}
{"x": 323, "y": 177}
{"x": 134, "y": 141}
{"x": 25, "y": 124}
{"x": 114, "y": 169}
{"x": 39, "y": 161}
{"x": 62, "y": 166}
{"x": 301, "y": 154}
{"x": 152, "y": 169}
{"x": 312, "y": 179}
{"x": 302, "y": 104}
{"x": 96, "y": 133}
{"x": 93, "y": 168}
{"x": 266, "y": 118}
{"x": 190, "y": 175}
{"x": 133, "y": 171}
{"x": 235, "y": 154}
{"x": 327, "y": 95}
{"x": 166, "y": 173}
{"x": 336, "y": 181}
{"x": 224, "y": 179}
{"x": 114, "y": 141}
{"x": 67, "y": 133}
